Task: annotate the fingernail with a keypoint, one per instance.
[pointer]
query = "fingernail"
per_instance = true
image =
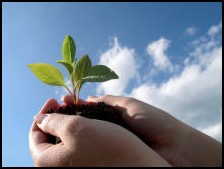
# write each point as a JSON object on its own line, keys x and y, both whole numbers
{"x": 40, "y": 117}
{"x": 62, "y": 98}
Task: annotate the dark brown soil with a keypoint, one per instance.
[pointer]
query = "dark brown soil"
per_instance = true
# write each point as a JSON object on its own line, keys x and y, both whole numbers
{"x": 99, "y": 111}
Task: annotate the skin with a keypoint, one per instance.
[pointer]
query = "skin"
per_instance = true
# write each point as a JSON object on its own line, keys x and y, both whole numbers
{"x": 86, "y": 142}
{"x": 178, "y": 143}
{"x": 156, "y": 138}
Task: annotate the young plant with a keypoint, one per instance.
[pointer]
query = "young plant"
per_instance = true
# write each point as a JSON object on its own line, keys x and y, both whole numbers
{"x": 80, "y": 71}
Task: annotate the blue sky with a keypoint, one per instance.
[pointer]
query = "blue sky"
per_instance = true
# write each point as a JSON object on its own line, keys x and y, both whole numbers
{"x": 166, "y": 54}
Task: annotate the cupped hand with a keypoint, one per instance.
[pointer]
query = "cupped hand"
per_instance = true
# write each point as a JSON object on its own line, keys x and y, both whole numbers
{"x": 176, "y": 142}
{"x": 86, "y": 142}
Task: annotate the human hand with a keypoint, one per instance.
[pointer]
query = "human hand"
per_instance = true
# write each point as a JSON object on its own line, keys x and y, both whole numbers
{"x": 176, "y": 142}
{"x": 86, "y": 142}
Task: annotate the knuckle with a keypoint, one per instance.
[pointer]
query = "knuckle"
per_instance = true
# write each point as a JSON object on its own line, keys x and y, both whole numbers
{"x": 106, "y": 96}
{"x": 77, "y": 131}
{"x": 50, "y": 122}
{"x": 76, "y": 125}
{"x": 46, "y": 123}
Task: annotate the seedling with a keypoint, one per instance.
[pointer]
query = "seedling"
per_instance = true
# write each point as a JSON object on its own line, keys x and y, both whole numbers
{"x": 80, "y": 71}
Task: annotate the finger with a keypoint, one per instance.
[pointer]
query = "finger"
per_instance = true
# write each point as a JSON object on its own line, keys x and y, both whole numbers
{"x": 36, "y": 135}
{"x": 41, "y": 150}
{"x": 110, "y": 100}
{"x": 58, "y": 124}
{"x": 49, "y": 104}
{"x": 68, "y": 99}
{"x": 38, "y": 140}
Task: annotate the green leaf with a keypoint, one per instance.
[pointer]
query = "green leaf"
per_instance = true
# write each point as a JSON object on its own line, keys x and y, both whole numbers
{"x": 100, "y": 73}
{"x": 67, "y": 65}
{"x": 68, "y": 49}
{"x": 47, "y": 74}
{"x": 82, "y": 67}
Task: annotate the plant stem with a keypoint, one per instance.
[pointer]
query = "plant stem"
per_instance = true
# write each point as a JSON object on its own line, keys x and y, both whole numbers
{"x": 73, "y": 87}
{"x": 72, "y": 81}
{"x": 70, "y": 92}
{"x": 76, "y": 99}
{"x": 77, "y": 95}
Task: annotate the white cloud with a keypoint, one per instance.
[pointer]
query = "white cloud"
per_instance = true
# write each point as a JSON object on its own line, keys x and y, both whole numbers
{"x": 193, "y": 96}
{"x": 190, "y": 30}
{"x": 206, "y": 43}
{"x": 157, "y": 51}
{"x": 123, "y": 61}
{"x": 215, "y": 29}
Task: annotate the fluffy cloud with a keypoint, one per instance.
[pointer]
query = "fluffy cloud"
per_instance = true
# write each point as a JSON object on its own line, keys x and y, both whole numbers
{"x": 193, "y": 96}
{"x": 157, "y": 51}
{"x": 190, "y": 30}
{"x": 215, "y": 29}
{"x": 123, "y": 61}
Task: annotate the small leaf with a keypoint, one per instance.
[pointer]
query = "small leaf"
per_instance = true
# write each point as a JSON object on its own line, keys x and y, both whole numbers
{"x": 68, "y": 49}
{"x": 100, "y": 73}
{"x": 82, "y": 67}
{"x": 47, "y": 74}
{"x": 67, "y": 65}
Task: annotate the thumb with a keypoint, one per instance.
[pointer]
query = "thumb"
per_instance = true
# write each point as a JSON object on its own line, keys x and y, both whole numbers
{"x": 54, "y": 124}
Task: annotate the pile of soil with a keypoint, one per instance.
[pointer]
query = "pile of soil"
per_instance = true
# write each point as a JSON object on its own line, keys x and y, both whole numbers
{"x": 99, "y": 111}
